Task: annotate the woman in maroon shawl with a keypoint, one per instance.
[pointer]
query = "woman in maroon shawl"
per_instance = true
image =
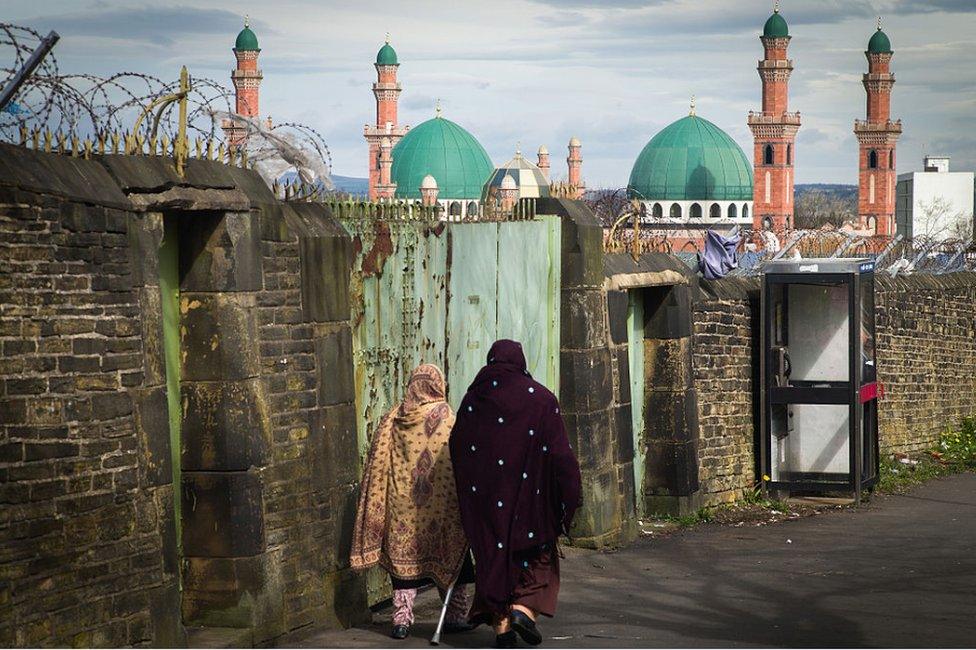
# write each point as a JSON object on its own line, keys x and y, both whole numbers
{"x": 518, "y": 488}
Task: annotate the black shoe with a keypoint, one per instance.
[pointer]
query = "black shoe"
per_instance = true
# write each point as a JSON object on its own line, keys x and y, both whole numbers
{"x": 525, "y": 627}
{"x": 507, "y": 640}
{"x": 400, "y": 632}
{"x": 457, "y": 628}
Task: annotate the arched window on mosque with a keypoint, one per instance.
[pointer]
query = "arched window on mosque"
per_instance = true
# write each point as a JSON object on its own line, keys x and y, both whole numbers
{"x": 732, "y": 211}
{"x": 455, "y": 209}
{"x": 696, "y": 211}
{"x": 675, "y": 211}
{"x": 715, "y": 212}
{"x": 891, "y": 159}
{"x": 768, "y": 155}
{"x": 745, "y": 210}
{"x": 473, "y": 209}
{"x": 873, "y": 159}
{"x": 789, "y": 154}
{"x": 657, "y": 211}
{"x": 767, "y": 223}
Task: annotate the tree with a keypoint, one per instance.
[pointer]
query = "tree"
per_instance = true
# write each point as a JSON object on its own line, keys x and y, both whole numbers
{"x": 940, "y": 220}
{"x": 816, "y": 208}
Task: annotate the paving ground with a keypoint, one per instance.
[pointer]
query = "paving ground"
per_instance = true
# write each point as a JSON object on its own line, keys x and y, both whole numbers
{"x": 900, "y": 572}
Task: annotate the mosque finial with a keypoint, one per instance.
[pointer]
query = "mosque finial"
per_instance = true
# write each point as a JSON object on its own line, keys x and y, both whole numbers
{"x": 518, "y": 148}
{"x": 692, "y": 111}
{"x": 247, "y": 20}
{"x": 388, "y": 38}
{"x": 776, "y": 7}
{"x": 879, "y": 23}
{"x": 437, "y": 108}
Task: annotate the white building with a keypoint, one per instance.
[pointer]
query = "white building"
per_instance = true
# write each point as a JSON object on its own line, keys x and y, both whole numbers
{"x": 935, "y": 202}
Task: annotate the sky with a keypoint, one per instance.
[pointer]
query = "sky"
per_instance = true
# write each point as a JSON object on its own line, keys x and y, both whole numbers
{"x": 612, "y": 73}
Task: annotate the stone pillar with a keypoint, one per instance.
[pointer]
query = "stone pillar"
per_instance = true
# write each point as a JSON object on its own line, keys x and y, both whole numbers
{"x": 585, "y": 377}
{"x": 670, "y": 404}
{"x": 231, "y": 578}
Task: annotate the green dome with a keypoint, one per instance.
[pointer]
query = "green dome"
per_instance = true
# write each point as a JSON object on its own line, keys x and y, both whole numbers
{"x": 441, "y": 148}
{"x": 776, "y": 27}
{"x": 386, "y": 56}
{"x": 246, "y": 41}
{"x": 691, "y": 160}
{"x": 879, "y": 43}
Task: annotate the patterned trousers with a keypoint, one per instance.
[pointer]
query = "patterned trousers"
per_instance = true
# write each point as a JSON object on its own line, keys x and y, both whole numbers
{"x": 457, "y": 608}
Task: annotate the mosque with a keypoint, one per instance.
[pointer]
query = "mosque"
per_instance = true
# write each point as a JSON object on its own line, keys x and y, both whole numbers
{"x": 439, "y": 161}
{"x": 690, "y": 177}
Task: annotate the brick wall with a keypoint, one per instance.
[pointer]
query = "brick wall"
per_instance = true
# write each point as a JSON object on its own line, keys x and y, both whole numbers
{"x": 725, "y": 360}
{"x": 87, "y": 530}
{"x": 926, "y": 338}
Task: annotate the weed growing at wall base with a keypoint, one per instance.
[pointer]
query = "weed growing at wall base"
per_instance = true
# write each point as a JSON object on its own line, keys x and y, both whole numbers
{"x": 956, "y": 452}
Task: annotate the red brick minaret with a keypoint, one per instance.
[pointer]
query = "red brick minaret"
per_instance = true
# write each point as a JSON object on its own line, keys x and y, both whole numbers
{"x": 543, "y": 161}
{"x": 575, "y": 164}
{"x": 387, "y": 90}
{"x": 774, "y": 130}
{"x": 246, "y": 78}
{"x": 877, "y": 136}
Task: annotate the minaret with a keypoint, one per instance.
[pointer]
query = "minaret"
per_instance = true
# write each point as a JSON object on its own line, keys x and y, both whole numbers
{"x": 385, "y": 188}
{"x": 387, "y": 90}
{"x": 774, "y": 131}
{"x": 543, "y": 161}
{"x": 575, "y": 164}
{"x": 877, "y": 137}
{"x": 246, "y": 78}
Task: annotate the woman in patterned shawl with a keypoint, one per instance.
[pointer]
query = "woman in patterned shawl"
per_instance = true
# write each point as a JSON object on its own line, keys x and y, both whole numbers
{"x": 408, "y": 520}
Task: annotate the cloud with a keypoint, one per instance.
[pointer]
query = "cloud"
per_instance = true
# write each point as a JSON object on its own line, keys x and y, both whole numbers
{"x": 151, "y": 25}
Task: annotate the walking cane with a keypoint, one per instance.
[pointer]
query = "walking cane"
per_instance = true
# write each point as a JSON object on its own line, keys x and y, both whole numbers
{"x": 436, "y": 639}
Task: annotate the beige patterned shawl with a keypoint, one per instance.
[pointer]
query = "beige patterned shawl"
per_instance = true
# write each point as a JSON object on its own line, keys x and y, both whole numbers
{"x": 408, "y": 519}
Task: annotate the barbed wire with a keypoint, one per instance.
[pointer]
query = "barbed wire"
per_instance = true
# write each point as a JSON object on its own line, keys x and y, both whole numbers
{"x": 617, "y": 210}
{"x": 89, "y": 106}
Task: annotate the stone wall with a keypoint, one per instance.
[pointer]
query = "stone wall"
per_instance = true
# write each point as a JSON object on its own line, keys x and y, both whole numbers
{"x": 267, "y": 448}
{"x": 926, "y": 356}
{"x": 88, "y": 551}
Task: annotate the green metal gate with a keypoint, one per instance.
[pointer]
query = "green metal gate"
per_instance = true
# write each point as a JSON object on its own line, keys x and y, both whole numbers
{"x": 433, "y": 292}
{"x": 442, "y": 293}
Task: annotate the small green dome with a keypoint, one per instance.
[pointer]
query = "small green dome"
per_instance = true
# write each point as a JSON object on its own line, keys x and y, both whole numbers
{"x": 386, "y": 56}
{"x": 879, "y": 43}
{"x": 246, "y": 41}
{"x": 776, "y": 27}
{"x": 691, "y": 160}
{"x": 444, "y": 150}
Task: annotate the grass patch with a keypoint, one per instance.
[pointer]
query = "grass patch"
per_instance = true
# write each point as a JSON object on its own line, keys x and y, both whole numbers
{"x": 956, "y": 452}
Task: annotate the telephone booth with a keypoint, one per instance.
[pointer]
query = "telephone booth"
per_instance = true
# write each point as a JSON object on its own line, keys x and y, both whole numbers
{"x": 819, "y": 380}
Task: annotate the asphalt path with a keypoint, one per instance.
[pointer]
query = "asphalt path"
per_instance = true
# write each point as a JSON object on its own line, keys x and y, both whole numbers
{"x": 899, "y": 572}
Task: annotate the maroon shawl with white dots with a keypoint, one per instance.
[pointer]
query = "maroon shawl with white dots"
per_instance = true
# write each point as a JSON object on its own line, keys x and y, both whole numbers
{"x": 517, "y": 478}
